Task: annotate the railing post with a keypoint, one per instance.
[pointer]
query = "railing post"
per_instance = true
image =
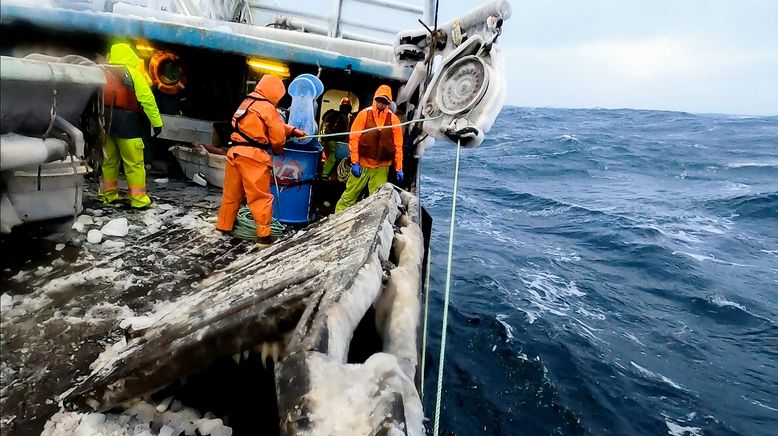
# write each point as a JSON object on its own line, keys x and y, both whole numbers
{"x": 337, "y": 9}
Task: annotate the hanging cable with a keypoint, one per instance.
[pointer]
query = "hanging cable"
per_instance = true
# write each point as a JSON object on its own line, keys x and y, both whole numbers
{"x": 373, "y": 128}
{"x": 441, "y": 358}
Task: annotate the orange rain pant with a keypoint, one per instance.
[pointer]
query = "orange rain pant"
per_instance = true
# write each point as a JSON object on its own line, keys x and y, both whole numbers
{"x": 247, "y": 173}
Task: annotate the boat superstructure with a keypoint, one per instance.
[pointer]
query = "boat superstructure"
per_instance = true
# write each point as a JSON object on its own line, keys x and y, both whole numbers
{"x": 164, "y": 323}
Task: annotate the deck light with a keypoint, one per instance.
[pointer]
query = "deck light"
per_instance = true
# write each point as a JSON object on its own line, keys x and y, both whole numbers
{"x": 144, "y": 48}
{"x": 269, "y": 67}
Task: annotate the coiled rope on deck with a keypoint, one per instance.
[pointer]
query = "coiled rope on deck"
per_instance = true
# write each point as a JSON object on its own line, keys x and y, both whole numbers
{"x": 441, "y": 358}
{"x": 246, "y": 227}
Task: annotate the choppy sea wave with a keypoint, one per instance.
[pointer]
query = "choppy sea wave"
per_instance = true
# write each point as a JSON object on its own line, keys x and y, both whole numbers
{"x": 615, "y": 272}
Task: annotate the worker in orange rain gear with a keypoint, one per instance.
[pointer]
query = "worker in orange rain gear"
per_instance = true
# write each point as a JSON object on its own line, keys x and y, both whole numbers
{"x": 258, "y": 131}
{"x": 127, "y": 97}
{"x": 373, "y": 152}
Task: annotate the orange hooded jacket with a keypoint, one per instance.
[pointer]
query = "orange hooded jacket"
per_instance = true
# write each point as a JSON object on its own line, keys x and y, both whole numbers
{"x": 262, "y": 123}
{"x": 379, "y": 117}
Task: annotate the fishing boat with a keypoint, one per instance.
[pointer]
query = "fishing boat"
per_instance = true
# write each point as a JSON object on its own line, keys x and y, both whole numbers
{"x": 116, "y": 321}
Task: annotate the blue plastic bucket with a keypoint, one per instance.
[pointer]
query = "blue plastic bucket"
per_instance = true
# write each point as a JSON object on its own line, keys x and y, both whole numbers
{"x": 295, "y": 172}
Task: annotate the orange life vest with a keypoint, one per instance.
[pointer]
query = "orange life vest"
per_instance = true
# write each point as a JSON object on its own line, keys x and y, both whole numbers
{"x": 254, "y": 126}
{"x": 377, "y": 144}
{"x": 119, "y": 91}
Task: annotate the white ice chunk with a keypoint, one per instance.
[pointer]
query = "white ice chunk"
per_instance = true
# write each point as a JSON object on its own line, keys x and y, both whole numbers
{"x": 94, "y": 236}
{"x": 162, "y": 181}
{"x": 85, "y": 220}
{"x": 162, "y": 407}
{"x": 109, "y": 243}
{"x": 78, "y": 226}
{"x": 353, "y": 399}
{"x": 59, "y": 247}
{"x": 138, "y": 323}
{"x": 6, "y": 301}
{"x": 116, "y": 227}
{"x": 90, "y": 424}
{"x": 212, "y": 427}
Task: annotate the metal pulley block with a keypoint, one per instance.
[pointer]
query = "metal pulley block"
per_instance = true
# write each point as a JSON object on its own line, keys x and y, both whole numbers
{"x": 462, "y": 85}
{"x": 466, "y": 94}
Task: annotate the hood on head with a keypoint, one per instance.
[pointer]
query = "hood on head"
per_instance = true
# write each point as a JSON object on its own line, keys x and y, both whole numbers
{"x": 123, "y": 54}
{"x": 271, "y": 88}
{"x": 384, "y": 91}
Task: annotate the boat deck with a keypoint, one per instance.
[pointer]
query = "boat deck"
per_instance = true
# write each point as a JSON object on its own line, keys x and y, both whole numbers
{"x": 66, "y": 305}
{"x": 177, "y": 297}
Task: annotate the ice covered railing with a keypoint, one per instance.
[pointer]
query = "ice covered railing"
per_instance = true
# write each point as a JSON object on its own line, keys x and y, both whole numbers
{"x": 467, "y": 90}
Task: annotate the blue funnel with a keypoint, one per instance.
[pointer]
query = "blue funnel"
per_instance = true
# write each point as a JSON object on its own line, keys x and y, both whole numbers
{"x": 304, "y": 89}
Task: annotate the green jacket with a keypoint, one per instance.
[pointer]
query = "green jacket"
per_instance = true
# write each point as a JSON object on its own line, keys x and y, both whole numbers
{"x": 123, "y": 54}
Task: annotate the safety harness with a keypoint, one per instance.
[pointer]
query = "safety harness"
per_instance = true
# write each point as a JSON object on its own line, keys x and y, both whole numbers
{"x": 249, "y": 140}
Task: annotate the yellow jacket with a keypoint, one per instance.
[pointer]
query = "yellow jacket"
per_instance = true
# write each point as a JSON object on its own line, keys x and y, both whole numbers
{"x": 123, "y": 54}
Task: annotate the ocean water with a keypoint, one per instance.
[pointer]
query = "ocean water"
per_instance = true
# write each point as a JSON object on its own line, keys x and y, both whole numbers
{"x": 615, "y": 272}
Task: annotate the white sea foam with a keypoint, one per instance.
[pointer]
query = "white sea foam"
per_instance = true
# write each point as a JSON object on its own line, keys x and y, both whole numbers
{"x": 679, "y": 430}
{"x": 768, "y": 164}
{"x": 703, "y": 257}
{"x": 757, "y": 403}
{"x": 563, "y": 255}
{"x": 549, "y": 294}
{"x": 508, "y": 329}
{"x": 723, "y": 302}
{"x": 677, "y": 234}
{"x": 656, "y": 376}
{"x": 571, "y": 138}
{"x": 736, "y": 188}
{"x": 633, "y": 338}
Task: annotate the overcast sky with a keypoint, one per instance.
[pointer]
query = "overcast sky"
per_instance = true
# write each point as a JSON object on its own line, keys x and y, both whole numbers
{"x": 690, "y": 55}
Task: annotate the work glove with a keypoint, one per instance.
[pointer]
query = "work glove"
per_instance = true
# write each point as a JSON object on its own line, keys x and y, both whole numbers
{"x": 157, "y": 131}
{"x": 297, "y": 133}
{"x": 356, "y": 170}
{"x": 400, "y": 176}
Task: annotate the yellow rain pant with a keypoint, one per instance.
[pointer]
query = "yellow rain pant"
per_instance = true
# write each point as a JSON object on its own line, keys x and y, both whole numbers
{"x": 129, "y": 151}
{"x": 329, "y": 164}
{"x": 370, "y": 177}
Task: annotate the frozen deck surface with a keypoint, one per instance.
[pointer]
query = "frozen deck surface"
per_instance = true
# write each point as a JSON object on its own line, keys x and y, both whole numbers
{"x": 157, "y": 298}
{"x": 60, "y": 308}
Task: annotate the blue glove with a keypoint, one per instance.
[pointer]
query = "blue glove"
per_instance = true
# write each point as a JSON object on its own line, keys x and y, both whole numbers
{"x": 157, "y": 131}
{"x": 356, "y": 170}
{"x": 400, "y": 176}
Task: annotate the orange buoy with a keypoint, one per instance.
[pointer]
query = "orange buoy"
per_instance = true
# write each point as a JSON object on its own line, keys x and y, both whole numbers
{"x": 166, "y": 72}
